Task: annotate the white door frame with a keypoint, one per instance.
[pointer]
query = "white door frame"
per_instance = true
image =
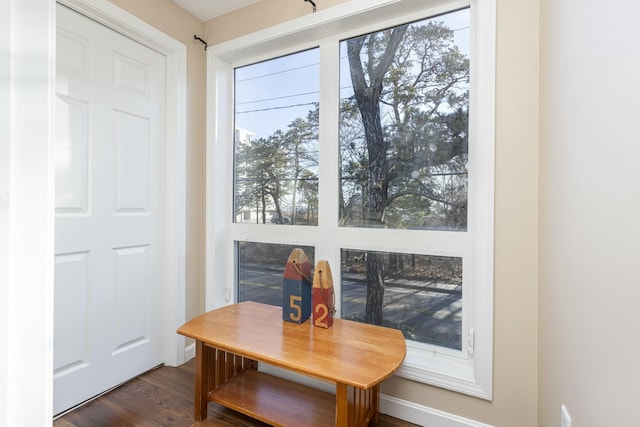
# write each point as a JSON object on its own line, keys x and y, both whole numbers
{"x": 173, "y": 305}
{"x": 27, "y": 32}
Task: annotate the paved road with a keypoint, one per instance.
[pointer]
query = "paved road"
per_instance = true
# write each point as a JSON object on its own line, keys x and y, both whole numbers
{"x": 428, "y": 312}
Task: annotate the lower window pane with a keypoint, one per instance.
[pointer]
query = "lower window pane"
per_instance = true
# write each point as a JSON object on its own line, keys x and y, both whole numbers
{"x": 261, "y": 270}
{"x": 421, "y": 295}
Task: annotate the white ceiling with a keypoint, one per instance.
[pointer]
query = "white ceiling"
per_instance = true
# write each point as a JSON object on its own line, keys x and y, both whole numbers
{"x": 207, "y": 9}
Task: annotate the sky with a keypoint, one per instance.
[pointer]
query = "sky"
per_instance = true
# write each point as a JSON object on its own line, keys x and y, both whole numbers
{"x": 270, "y": 95}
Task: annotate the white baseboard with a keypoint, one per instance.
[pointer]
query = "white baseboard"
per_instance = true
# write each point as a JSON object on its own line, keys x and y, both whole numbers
{"x": 423, "y": 415}
{"x": 189, "y": 352}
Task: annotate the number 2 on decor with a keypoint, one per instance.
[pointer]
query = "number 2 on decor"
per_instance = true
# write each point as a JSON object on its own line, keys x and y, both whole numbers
{"x": 323, "y": 296}
{"x": 320, "y": 314}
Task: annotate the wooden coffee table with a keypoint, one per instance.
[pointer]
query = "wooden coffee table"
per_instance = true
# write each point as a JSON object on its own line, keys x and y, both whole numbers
{"x": 231, "y": 341}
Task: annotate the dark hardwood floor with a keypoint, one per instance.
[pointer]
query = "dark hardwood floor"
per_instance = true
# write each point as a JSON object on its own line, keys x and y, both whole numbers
{"x": 163, "y": 397}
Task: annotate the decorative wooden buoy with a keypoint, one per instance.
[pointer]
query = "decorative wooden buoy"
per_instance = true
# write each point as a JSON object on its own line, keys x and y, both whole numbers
{"x": 323, "y": 296}
{"x": 296, "y": 288}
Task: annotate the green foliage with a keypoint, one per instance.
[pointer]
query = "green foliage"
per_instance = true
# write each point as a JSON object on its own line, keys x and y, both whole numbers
{"x": 277, "y": 174}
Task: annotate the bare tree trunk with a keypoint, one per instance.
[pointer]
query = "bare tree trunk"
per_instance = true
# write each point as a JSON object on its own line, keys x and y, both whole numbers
{"x": 375, "y": 288}
{"x": 367, "y": 97}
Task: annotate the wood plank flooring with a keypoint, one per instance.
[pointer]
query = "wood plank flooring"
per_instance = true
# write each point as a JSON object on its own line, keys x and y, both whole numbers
{"x": 163, "y": 397}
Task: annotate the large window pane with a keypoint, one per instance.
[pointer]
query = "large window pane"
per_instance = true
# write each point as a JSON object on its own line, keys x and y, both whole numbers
{"x": 261, "y": 270}
{"x": 404, "y": 113}
{"x": 421, "y": 295}
{"x": 276, "y": 140}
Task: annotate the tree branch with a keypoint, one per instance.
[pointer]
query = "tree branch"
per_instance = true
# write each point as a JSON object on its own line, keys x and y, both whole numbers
{"x": 433, "y": 197}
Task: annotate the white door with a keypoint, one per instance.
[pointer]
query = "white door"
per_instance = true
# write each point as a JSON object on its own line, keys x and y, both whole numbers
{"x": 109, "y": 188}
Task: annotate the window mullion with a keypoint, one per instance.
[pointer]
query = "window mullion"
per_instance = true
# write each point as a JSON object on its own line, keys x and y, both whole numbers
{"x": 326, "y": 246}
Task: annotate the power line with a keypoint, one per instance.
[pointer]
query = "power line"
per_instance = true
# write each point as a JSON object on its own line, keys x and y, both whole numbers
{"x": 278, "y": 72}
{"x": 310, "y": 65}
{"x": 276, "y": 108}
{"x": 293, "y": 95}
{"x": 278, "y": 97}
{"x": 287, "y": 96}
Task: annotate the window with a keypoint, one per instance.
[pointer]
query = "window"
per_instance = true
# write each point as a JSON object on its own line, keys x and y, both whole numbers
{"x": 404, "y": 114}
{"x": 371, "y": 149}
{"x": 260, "y": 270}
{"x": 276, "y": 169}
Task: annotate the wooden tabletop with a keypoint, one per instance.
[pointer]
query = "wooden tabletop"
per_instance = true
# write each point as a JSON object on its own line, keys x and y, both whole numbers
{"x": 349, "y": 352}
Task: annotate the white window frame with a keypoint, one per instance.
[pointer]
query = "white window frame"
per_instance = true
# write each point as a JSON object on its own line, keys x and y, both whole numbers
{"x": 468, "y": 371}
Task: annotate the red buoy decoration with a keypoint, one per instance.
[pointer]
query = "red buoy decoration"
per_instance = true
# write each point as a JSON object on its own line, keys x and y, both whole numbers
{"x": 323, "y": 295}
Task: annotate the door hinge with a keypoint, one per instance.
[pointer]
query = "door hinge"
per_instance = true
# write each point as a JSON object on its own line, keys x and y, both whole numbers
{"x": 472, "y": 340}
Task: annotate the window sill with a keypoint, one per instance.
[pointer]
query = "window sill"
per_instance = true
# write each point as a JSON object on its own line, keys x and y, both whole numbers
{"x": 448, "y": 371}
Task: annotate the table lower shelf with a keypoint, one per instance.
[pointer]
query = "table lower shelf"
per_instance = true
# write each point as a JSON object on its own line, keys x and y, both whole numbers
{"x": 276, "y": 401}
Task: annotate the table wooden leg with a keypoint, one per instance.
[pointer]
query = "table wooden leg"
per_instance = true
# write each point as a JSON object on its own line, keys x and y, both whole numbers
{"x": 342, "y": 405}
{"x": 202, "y": 381}
{"x": 375, "y": 404}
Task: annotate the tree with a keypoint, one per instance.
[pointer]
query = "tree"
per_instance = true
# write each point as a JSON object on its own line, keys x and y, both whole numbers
{"x": 368, "y": 95}
{"x": 260, "y": 173}
{"x": 300, "y": 136}
{"x": 413, "y": 157}
{"x": 270, "y": 172}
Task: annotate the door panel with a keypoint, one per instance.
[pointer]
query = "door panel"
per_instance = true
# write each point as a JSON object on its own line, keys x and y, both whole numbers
{"x": 72, "y": 155}
{"x": 70, "y": 330}
{"x": 109, "y": 186}
{"x": 133, "y": 147}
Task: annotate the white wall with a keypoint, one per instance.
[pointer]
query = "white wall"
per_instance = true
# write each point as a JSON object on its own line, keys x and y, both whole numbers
{"x": 5, "y": 106}
{"x": 589, "y": 351}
